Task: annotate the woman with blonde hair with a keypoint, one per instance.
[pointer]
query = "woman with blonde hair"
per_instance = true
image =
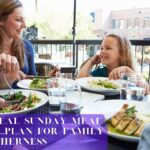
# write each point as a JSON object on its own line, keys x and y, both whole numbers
{"x": 12, "y": 23}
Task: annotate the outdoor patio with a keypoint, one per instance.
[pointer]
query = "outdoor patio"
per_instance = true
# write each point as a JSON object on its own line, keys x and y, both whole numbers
{"x": 62, "y": 50}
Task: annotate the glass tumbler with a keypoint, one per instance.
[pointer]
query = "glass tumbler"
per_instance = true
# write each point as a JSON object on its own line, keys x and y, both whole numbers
{"x": 56, "y": 92}
{"x": 123, "y": 88}
{"x": 72, "y": 102}
{"x": 135, "y": 88}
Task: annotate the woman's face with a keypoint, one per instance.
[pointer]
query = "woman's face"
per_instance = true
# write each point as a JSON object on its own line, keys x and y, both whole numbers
{"x": 110, "y": 52}
{"x": 14, "y": 24}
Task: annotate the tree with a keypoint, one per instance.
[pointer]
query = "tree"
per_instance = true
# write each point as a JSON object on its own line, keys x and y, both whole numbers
{"x": 59, "y": 26}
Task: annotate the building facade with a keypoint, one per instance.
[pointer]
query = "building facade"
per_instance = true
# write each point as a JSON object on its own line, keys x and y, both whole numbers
{"x": 133, "y": 23}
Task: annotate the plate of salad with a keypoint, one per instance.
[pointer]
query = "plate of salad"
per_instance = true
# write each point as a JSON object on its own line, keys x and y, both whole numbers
{"x": 19, "y": 101}
{"x": 100, "y": 84}
{"x": 35, "y": 83}
{"x": 40, "y": 84}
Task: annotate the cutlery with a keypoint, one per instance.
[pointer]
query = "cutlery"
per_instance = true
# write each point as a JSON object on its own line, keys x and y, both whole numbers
{"x": 1, "y": 70}
{"x": 13, "y": 101}
{"x": 97, "y": 100}
{"x": 10, "y": 88}
{"x": 42, "y": 77}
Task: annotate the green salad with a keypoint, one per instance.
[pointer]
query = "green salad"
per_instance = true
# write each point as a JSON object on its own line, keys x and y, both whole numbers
{"x": 38, "y": 83}
{"x": 103, "y": 84}
{"x": 18, "y": 102}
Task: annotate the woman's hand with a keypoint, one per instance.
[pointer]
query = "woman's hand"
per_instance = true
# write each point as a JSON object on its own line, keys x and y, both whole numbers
{"x": 8, "y": 63}
{"x": 10, "y": 68}
{"x": 20, "y": 76}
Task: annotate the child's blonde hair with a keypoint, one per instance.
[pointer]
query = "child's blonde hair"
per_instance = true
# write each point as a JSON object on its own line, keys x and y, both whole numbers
{"x": 126, "y": 58}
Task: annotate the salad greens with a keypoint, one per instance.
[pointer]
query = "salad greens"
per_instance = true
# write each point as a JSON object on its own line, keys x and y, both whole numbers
{"x": 103, "y": 84}
{"x": 130, "y": 112}
{"x": 38, "y": 83}
{"x": 18, "y": 102}
{"x": 15, "y": 96}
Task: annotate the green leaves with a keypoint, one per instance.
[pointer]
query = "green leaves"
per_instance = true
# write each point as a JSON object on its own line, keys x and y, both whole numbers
{"x": 18, "y": 95}
{"x": 130, "y": 112}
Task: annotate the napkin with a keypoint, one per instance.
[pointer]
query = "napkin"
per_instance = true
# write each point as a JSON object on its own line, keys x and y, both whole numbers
{"x": 144, "y": 143}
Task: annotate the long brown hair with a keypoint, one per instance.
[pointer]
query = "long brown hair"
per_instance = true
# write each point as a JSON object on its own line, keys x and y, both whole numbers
{"x": 6, "y": 8}
{"x": 126, "y": 58}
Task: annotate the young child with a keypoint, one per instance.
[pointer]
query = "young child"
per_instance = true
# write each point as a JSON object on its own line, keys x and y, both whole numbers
{"x": 116, "y": 58}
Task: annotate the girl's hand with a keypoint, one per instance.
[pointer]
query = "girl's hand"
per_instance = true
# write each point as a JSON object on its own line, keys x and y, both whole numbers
{"x": 95, "y": 59}
{"x": 116, "y": 73}
{"x": 54, "y": 72}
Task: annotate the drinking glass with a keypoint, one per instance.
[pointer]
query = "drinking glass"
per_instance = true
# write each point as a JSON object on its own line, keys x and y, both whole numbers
{"x": 56, "y": 92}
{"x": 71, "y": 103}
{"x": 123, "y": 88}
{"x": 135, "y": 88}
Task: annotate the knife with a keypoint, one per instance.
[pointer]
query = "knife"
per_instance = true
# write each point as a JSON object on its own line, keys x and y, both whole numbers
{"x": 42, "y": 77}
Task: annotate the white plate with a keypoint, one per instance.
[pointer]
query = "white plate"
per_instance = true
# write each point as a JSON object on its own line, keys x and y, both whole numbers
{"x": 86, "y": 98}
{"x": 111, "y": 107}
{"x": 83, "y": 82}
{"x": 41, "y": 95}
{"x": 25, "y": 84}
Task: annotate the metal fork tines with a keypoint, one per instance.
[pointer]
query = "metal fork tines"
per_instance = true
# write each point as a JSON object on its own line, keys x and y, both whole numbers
{"x": 3, "y": 73}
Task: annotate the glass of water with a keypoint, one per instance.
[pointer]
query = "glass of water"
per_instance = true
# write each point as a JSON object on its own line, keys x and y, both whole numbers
{"x": 72, "y": 102}
{"x": 135, "y": 88}
{"x": 56, "y": 92}
{"x": 123, "y": 88}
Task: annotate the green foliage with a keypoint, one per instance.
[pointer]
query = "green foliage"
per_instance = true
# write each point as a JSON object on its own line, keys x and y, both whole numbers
{"x": 84, "y": 27}
{"x": 130, "y": 112}
{"x": 54, "y": 26}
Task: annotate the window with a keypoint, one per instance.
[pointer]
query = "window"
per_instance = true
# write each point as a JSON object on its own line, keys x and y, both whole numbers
{"x": 147, "y": 22}
{"x": 121, "y": 24}
{"x": 93, "y": 16}
{"x": 129, "y": 23}
{"x": 116, "y": 24}
{"x": 136, "y": 23}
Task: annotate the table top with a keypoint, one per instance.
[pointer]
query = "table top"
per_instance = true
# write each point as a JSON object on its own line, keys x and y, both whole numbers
{"x": 113, "y": 144}
{"x": 86, "y": 99}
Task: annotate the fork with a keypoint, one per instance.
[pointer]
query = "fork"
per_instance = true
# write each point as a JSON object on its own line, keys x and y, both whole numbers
{"x": 10, "y": 88}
